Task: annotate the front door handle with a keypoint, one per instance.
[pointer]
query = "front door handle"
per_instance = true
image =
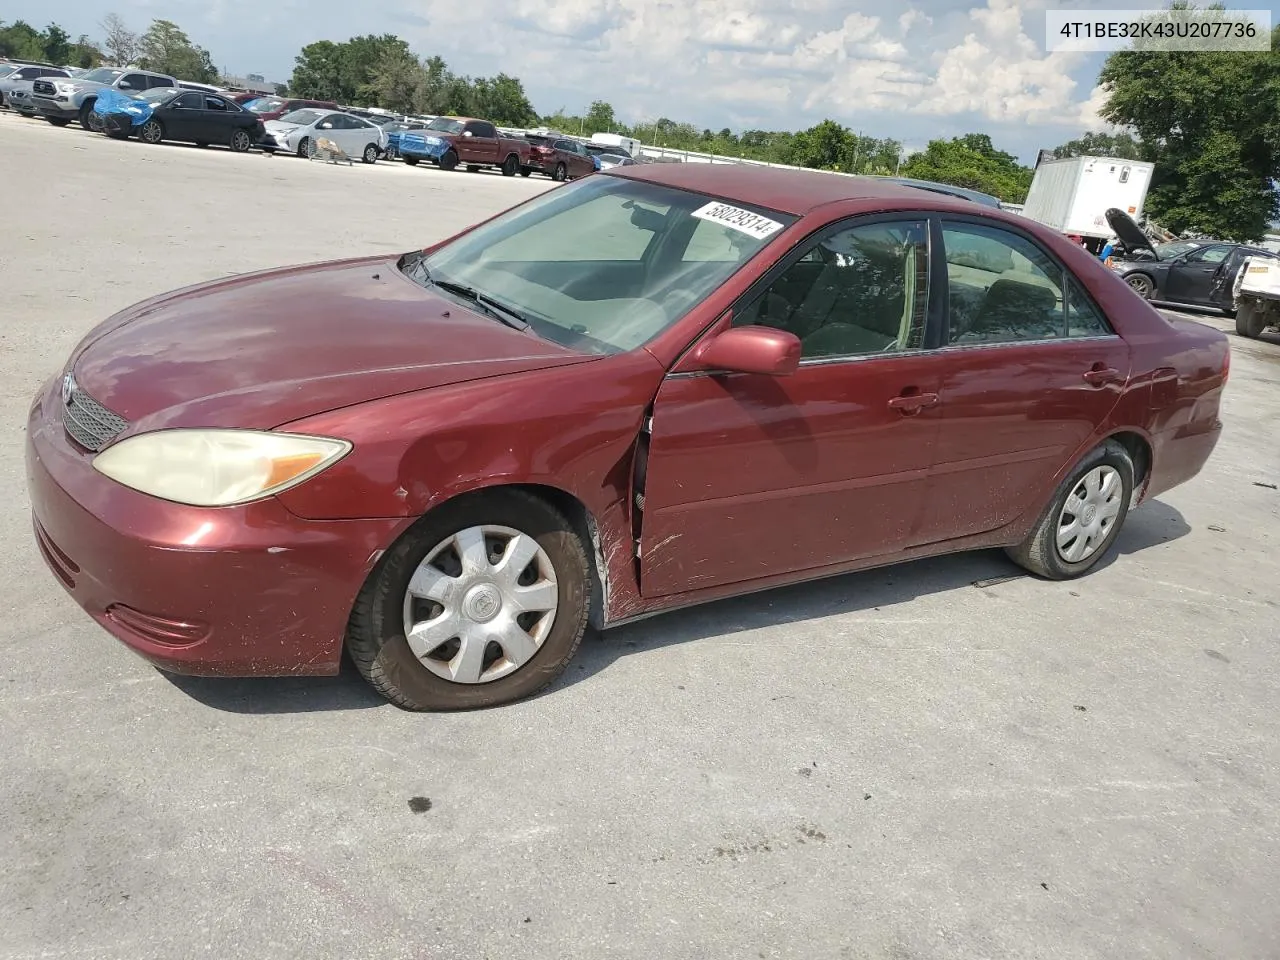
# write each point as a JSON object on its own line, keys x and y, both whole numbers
{"x": 1100, "y": 374}
{"x": 910, "y": 403}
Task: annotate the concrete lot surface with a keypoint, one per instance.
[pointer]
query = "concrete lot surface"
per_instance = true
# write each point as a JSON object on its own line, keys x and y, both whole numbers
{"x": 898, "y": 764}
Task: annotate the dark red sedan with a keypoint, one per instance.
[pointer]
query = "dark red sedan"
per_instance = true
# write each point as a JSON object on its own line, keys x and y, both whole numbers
{"x": 650, "y": 388}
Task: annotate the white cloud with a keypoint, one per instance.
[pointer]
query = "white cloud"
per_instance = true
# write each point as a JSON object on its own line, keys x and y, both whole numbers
{"x": 915, "y": 71}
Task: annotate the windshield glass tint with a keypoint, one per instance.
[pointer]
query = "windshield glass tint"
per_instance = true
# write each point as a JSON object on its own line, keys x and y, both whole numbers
{"x": 303, "y": 118}
{"x": 102, "y": 75}
{"x": 446, "y": 125}
{"x": 264, "y": 105}
{"x": 606, "y": 264}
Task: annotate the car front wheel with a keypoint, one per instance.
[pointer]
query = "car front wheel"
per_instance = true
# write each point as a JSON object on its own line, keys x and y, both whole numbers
{"x": 1141, "y": 284}
{"x": 151, "y": 132}
{"x": 1084, "y": 518}
{"x": 484, "y": 601}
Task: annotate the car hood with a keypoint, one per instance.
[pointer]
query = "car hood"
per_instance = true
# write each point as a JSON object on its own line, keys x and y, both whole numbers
{"x": 259, "y": 350}
{"x": 1127, "y": 229}
{"x": 276, "y": 126}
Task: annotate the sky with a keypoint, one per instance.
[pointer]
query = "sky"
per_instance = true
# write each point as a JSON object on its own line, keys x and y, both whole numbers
{"x": 915, "y": 71}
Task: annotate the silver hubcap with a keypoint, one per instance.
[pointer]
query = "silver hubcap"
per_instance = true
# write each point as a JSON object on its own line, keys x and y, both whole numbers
{"x": 1089, "y": 514}
{"x": 1139, "y": 284}
{"x": 481, "y": 604}
{"x": 241, "y": 140}
{"x": 151, "y": 132}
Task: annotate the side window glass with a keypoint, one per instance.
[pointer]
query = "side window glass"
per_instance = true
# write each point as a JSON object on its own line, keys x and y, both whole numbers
{"x": 188, "y": 101}
{"x": 859, "y": 292}
{"x": 1083, "y": 318}
{"x": 1209, "y": 255}
{"x": 133, "y": 81}
{"x": 215, "y": 103}
{"x": 1002, "y": 288}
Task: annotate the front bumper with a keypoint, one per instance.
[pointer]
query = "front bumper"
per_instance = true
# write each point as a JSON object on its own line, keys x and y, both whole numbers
{"x": 235, "y": 591}
{"x": 58, "y": 109}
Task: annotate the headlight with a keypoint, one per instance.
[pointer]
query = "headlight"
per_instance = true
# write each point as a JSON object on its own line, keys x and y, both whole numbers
{"x": 67, "y": 88}
{"x": 432, "y": 141}
{"x": 217, "y": 468}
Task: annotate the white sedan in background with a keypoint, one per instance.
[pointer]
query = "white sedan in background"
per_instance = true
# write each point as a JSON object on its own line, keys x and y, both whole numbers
{"x": 298, "y": 132}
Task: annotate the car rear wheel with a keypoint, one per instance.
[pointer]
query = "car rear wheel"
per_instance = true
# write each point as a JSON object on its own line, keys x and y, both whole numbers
{"x": 484, "y": 601}
{"x": 449, "y": 160}
{"x": 1250, "y": 321}
{"x": 411, "y": 161}
{"x": 510, "y": 165}
{"x": 58, "y": 121}
{"x": 241, "y": 141}
{"x": 525, "y": 171}
{"x": 1141, "y": 284}
{"x": 1084, "y": 518}
{"x": 151, "y": 132}
{"x": 370, "y": 153}
{"x": 560, "y": 172}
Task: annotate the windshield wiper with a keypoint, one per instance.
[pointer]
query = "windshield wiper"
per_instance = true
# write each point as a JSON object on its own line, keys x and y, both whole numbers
{"x": 414, "y": 265}
{"x": 499, "y": 311}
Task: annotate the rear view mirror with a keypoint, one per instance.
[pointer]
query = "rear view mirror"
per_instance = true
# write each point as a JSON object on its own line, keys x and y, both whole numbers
{"x": 647, "y": 219}
{"x": 763, "y": 350}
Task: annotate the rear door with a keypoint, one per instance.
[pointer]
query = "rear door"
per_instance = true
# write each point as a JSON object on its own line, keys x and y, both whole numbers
{"x": 1032, "y": 370}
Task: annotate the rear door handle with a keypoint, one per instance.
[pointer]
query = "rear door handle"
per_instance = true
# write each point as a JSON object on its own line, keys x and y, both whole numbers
{"x": 1100, "y": 375}
{"x": 909, "y": 403}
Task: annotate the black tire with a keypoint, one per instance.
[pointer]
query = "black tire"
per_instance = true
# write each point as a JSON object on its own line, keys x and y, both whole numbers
{"x": 511, "y": 165}
{"x": 1250, "y": 321}
{"x": 151, "y": 132}
{"x": 560, "y": 173}
{"x": 370, "y": 154}
{"x": 241, "y": 142}
{"x": 411, "y": 161}
{"x": 375, "y": 634}
{"x": 449, "y": 160}
{"x": 88, "y": 119}
{"x": 472, "y": 167}
{"x": 525, "y": 171}
{"x": 58, "y": 121}
{"x": 305, "y": 147}
{"x": 1142, "y": 285}
{"x": 1039, "y": 553}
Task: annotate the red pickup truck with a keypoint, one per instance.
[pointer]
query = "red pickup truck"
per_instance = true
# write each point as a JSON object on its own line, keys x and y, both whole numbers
{"x": 450, "y": 141}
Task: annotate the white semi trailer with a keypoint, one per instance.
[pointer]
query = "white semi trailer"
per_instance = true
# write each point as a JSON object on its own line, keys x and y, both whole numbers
{"x": 1073, "y": 195}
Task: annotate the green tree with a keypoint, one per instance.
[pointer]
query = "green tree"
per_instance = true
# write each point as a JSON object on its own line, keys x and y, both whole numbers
{"x": 1122, "y": 146}
{"x": 396, "y": 79}
{"x": 600, "y": 118}
{"x": 343, "y": 72}
{"x": 972, "y": 162}
{"x": 317, "y": 72}
{"x": 165, "y": 48}
{"x": 85, "y": 53}
{"x": 1209, "y": 122}
{"x": 21, "y": 41}
{"x": 57, "y": 44}
{"x": 825, "y": 146}
{"x": 502, "y": 99}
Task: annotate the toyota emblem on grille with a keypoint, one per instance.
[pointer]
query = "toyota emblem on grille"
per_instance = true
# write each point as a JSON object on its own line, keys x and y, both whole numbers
{"x": 68, "y": 389}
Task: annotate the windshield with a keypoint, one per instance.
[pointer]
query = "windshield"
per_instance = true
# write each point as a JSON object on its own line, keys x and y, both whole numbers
{"x": 264, "y": 104}
{"x": 303, "y": 118}
{"x": 9, "y": 68}
{"x": 606, "y": 264}
{"x": 102, "y": 75}
{"x": 446, "y": 124}
{"x": 1169, "y": 251}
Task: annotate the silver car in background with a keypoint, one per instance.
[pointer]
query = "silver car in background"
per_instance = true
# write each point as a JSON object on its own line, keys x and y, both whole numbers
{"x": 16, "y": 81}
{"x": 298, "y": 132}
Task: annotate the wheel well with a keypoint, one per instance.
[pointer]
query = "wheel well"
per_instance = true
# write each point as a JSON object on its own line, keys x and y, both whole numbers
{"x": 584, "y": 525}
{"x": 1139, "y": 452}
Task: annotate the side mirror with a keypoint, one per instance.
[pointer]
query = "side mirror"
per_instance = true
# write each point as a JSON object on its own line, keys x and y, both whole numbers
{"x": 467, "y": 133}
{"x": 763, "y": 350}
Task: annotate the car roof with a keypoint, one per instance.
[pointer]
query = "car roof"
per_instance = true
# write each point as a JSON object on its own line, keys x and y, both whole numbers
{"x": 786, "y": 190}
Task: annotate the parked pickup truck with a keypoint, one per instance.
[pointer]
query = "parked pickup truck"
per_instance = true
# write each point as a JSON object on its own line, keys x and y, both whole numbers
{"x": 1257, "y": 296}
{"x": 61, "y": 101}
{"x": 449, "y": 141}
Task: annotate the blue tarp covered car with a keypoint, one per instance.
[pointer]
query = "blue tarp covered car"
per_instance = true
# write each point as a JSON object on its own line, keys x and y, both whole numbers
{"x": 118, "y": 113}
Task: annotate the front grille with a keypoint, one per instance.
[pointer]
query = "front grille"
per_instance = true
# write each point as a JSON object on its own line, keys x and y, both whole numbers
{"x": 44, "y": 86}
{"x": 88, "y": 422}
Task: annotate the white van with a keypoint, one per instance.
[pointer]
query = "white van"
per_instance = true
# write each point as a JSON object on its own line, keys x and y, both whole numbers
{"x": 629, "y": 144}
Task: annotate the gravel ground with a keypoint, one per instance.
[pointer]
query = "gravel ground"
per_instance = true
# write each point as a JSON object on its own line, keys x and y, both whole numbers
{"x": 896, "y": 764}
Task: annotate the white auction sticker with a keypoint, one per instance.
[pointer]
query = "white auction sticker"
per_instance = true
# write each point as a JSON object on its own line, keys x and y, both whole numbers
{"x": 736, "y": 218}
